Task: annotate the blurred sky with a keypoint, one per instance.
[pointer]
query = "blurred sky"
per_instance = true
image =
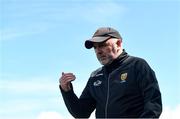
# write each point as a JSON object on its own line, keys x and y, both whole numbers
{"x": 42, "y": 38}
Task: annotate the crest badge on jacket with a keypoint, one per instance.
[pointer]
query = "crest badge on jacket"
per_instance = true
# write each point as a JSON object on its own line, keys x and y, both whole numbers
{"x": 123, "y": 77}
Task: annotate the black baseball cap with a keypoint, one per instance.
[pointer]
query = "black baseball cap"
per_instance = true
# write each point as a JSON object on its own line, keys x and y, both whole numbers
{"x": 102, "y": 34}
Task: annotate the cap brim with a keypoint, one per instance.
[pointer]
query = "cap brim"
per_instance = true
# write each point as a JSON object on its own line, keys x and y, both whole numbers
{"x": 89, "y": 43}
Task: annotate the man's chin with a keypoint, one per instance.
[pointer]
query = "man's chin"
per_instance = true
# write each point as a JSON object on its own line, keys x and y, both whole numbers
{"x": 104, "y": 62}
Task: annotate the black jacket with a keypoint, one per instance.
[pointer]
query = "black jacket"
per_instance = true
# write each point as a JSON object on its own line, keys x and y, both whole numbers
{"x": 127, "y": 88}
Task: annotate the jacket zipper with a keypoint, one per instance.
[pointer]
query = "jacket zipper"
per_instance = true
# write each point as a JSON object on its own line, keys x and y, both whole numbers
{"x": 107, "y": 98}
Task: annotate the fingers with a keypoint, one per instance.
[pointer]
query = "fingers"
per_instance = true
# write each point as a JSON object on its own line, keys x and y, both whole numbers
{"x": 67, "y": 77}
{"x": 65, "y": 80}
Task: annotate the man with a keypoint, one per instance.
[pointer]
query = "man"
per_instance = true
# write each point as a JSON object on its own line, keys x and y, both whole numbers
{"x": 124, "y": 87}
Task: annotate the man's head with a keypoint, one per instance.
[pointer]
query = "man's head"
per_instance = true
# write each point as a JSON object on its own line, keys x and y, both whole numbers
{"x": 107, "y": 44}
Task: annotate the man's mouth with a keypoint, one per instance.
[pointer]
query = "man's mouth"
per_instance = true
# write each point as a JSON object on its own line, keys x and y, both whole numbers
{"x": 102, "y": 57}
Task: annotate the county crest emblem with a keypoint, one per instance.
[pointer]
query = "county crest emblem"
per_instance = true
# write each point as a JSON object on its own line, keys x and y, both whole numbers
{"x": 124, "y": 76}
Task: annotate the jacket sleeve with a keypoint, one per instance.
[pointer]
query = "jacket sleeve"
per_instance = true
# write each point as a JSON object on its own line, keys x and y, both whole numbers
{"x": 150, "y": 91}
{"x": 79, "y": 107}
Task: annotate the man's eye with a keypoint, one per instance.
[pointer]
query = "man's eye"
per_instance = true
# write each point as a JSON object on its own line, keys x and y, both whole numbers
{"x": 102, "y": 45}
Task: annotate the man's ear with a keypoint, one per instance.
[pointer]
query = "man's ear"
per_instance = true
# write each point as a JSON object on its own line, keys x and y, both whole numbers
{"x": 119, "y": 42}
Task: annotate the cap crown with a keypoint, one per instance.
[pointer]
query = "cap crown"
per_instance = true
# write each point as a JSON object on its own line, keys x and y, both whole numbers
{"x": 107, "y": 31}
